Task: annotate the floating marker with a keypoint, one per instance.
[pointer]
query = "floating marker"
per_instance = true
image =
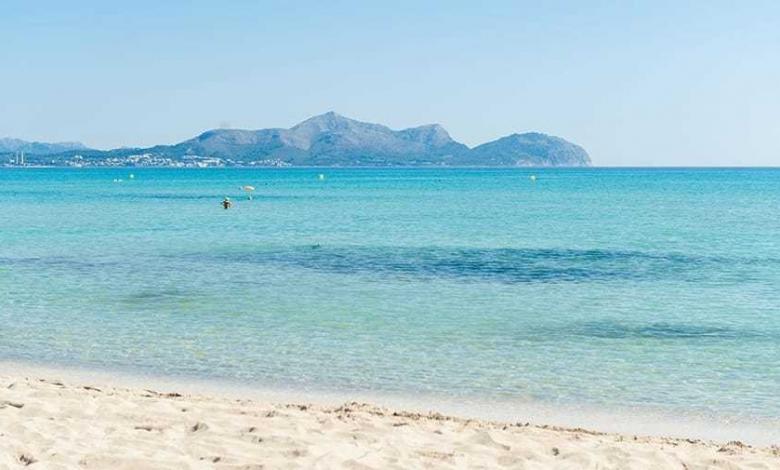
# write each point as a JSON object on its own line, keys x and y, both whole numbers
{"x": 533, "y": 178}
{"x": 132, "y": 176}
{"x": 321, "y": 177}
{"x": 248, "y": 189}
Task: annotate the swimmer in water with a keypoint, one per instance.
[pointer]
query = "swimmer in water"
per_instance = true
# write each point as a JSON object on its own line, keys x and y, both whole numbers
{"x": 226, "y": 203}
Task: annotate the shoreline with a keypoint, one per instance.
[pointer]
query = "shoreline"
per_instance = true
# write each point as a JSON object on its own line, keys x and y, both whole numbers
{"x": 52, "y": 422}
{"x": 626, "y": 421}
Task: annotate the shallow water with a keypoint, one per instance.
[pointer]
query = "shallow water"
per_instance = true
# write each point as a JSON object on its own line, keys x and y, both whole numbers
{"x": 594, "y": 287}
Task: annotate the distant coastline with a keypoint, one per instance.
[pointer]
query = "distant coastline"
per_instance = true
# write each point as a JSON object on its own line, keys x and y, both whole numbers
{"x": 327, "y": 140}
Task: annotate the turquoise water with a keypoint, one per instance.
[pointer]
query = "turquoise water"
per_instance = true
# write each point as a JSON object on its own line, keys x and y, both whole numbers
{"x": 600, "y": 287}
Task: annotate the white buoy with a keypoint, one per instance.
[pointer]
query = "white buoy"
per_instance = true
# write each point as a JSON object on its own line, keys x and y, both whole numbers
{"x": 321, "y": 177}
{"x": 248, "y": 189}
{"x": 533, "y": 178}
{"x": 132, "y": 176}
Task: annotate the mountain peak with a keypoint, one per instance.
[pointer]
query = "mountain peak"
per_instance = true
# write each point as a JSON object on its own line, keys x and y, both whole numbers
{"x": 326, "y": 119}
{"x": 304, "y": 134}
{"x": 330, "y": 115}
{"x": 531, "y": 149}
{"x": 531, "y": 136}
{"x": 432, "y": 134}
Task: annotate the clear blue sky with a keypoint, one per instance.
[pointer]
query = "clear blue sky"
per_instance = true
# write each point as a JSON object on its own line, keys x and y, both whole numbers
{"x": 635, "y": 83}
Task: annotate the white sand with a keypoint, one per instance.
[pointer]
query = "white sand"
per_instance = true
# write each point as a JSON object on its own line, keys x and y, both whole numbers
{"x": 50, "y": 424}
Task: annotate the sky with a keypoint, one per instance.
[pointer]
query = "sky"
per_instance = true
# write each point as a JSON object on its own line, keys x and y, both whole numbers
{"x": 636, "y": 83}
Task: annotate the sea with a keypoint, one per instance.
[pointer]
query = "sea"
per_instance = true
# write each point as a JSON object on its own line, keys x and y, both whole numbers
{"x": 643, "y": 290}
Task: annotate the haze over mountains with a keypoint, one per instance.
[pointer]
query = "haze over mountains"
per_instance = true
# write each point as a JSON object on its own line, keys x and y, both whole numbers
{"x": 9, "y": 145}
{"x": 325, "y": 140}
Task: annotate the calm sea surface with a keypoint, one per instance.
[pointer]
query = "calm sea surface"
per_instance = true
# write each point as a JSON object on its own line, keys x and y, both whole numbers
{"x": 601, "y": 287}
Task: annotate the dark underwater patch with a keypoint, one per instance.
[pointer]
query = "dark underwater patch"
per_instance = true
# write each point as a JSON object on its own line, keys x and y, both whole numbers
{"x": 159, "y": 295}
{"x": 500, "y": 265}
{"x": 505, "y": 265}
{"x": 659, "y": 330}
{"x": 56, "y": 262}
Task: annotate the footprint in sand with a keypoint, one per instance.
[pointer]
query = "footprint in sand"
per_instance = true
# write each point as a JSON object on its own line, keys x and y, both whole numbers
{"x": 26, "y": 459}
{"x": 13, "y": 404}
{"x": 199, "y": 427}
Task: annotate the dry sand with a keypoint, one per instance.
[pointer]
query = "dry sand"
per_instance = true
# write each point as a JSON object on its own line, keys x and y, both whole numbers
{"x": 50, "y": 424}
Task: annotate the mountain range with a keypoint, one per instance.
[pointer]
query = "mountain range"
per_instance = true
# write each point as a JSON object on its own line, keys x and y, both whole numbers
{"x": 325, "y": 140}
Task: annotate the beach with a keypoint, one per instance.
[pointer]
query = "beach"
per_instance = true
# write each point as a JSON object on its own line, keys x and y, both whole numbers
{"x": 582, "y": 300}
{"x": 47, "y": 422}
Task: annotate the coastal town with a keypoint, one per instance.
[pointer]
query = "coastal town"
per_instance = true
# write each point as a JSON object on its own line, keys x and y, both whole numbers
{"x": 21, "y": 160}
